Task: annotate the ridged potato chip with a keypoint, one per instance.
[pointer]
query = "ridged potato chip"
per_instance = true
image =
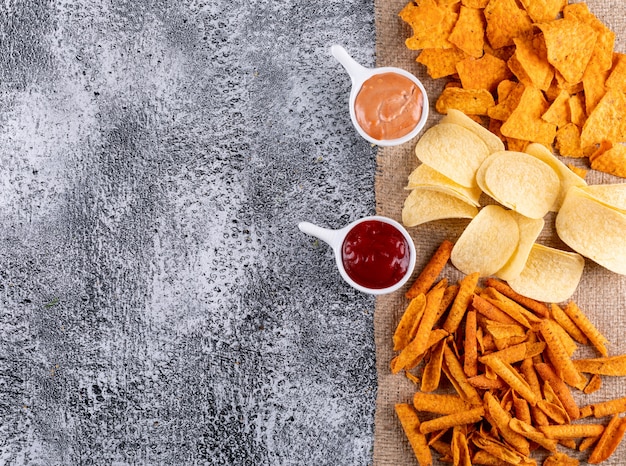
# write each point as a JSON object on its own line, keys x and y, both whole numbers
{"x": 493, "y": 142}
{"x": 521, "y": 182}
{"x": 426, "y": 177}
{"x": 550, "y": 275}
{"x": 425, "y": 205}
{"x": 593, "y": 229}
{"x": 454, "y": 151}
{"x": 566, "y": 175}
{"x": 529, "y": 230}
{"x": 612, "y": 194}
{"x": 487, "y": 243}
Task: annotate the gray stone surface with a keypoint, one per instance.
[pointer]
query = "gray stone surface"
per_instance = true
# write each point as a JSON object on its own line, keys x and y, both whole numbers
{"x": 158, "y": 304}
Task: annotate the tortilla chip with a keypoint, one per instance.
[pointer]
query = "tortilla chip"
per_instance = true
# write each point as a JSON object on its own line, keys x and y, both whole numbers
{"x": 468, "y": 101}
{"x": 606, "y": 122}
{"x": 612, "y": 161}
{"x": 594, "y": 85}
{"x": 577, "y": 112}
{"x": 509, "y": 96}
{"x": 559, "y": 111}
{"x": 568, "y": 141}
{"x": 570, "y": 46}
{"x": 525, "y": 122}
{"x": 506, "y": 21}
{"x": 469, "y": 32}
{"x": 532, "y": 56}
{"x": 482, "y": 73}
{"x": 617, "y": 78}
{"x": 440, "y": 62}
{"x": 431, "y": 24}
{"x": 543, "y": 10}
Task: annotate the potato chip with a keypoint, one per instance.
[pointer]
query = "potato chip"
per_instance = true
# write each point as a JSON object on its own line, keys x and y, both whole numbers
{"x": 520, "y": 181}
{"x": 493, "y": 142}
{"x": 611, "y": 161}
{"x": 609, "y": 441}
{"x": 593, "y": 229}
{"x": 570, "y": 45}
{"x": 440, "y": 62}
{"x": 543, "y": 10}
{"x": 469, "y": 101}
{"x": 613, "y": 195}
{"x": 454, "y": 151}
{"x": 487, "y": 243}
{"x": 550, "y": 275}
{"x": 566, "y": 176}
{"x": 529, "y": 230}
{"x": 425, "y": 205}
{"x": 525, "y": 122}
{"x": 482, "y": 73}
{"x": 425, "y": 177}
{"x": 505, "y": 21}
{"x": 617, "y": 78}
{"x": 431, "y": 24}
{"x": 532, "y": 56}
{"x": 568, "y": 141}
{"x": 606, "y": 122}
{"x": 468, "y": 33}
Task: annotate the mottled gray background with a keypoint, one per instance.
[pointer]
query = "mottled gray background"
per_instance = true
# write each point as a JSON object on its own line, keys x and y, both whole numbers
{"x": 159, "y": 305}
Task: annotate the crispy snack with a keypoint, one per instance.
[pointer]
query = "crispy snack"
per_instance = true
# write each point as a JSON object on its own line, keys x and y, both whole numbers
{"x": 547, "y": 373}
{"x": 604, "y": 123}
{"x": 461, "y": 302}
{"x": 609, "y": 440}
{"x": 431, "y": 271}
{"x": 483, "y": 382}
{"x": 458, "y": 378}
{"x": 440, "y": 62}
{"x": 432, "y": 370}
{"x": 527, "y": 430}
{"x": 612, "y": 160}
{"x": 560, "y": 459}
{"x": 468, "y": 33}
{"x": 460, "y": 448}
{"x": 568, "y": 324}
{"x": 527, "y": 369}
{"x": 595, "y": 384}
{"x": 608, "y": 408}
{"x": 572, "y": 431}
{"x": 439, "y": 404}
{"x": 537, "y": 307}
{"x": 458, "y": 419}
{"x": 411, "y": 425}
{"x": 584, "y": 324}
{"x": 509, "y": 375}
{"x": 502, "y": 418}
{"x": 469, "y": 101}
{"x": 526, "y": 123}
{"x": 612, "y": 365}
{"x": 506, "y": 21}
{"x": 412, "y": 315}
{"x": 482, "y": 73}
{"x": 558, "y": 354}
{"x": 431, "y": 24}
{"x": 587, "y": 443}
{"x": 490, "y": 311}
{"x": 470, "y": 345}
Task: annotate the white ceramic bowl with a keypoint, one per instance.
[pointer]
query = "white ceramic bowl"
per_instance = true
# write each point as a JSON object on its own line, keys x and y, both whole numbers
{"x": 359, "y": 74}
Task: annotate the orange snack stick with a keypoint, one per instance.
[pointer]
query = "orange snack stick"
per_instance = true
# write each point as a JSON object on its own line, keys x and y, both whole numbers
{"x": 431, "y": 271}
{"x": 458, "y": 419}
{"x": 558, "y": 354}
{"x": 583, "y": 323}
{"x": 613, "y": 365}
{"x": 547, "y": 373}
{"x": 411, "y": 426}
{"x": 537, "y": 307}
{"x": 522, "y": 409}
{"x": 501, "y": 418}
{"x": 470, "y": 346}
{"x": 447, "y": 299}
{"x": 568, "y": 324}
{"x": 572, "y": 431}
{"x": 609, "y": 408}
{"x": 513, "y": 380}
{"x": 527, "y": 430}
{"x": 587, "y": 442}
{"x": 412, "y": 315}
{"x": 609, "y": 440}
{"x": 527, "y": 369}
{"x": 461, "y": 302}
{"x": 458, "y": 378}
{"x": 432, "y": 370}
{"x": 490, "y": 311}
{"x": 439, "y": 404}
{"x": 595, "y": 383}
{"x": 460, "y": 448}
{"x": 482, "y": 382}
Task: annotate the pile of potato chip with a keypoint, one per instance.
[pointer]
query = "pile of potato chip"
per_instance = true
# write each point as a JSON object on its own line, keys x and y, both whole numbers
{"x": 461, "y": 160}
{"x": 541, "y": 71}
{"x": 508, "y": 361}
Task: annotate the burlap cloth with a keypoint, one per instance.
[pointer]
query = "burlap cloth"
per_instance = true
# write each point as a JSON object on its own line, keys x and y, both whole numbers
{"x": 601, "y": 294}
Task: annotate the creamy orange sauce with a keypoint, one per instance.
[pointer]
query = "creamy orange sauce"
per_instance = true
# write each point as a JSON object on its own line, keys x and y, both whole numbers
{"x": 388, "y": 106}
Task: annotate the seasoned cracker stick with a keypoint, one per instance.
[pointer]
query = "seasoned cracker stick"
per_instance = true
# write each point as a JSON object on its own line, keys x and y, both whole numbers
{"x": 530, "y": 375}
{"x": 612, "y": 365}
{"x": 509, "y": 375}
{"x": 431, "y": 271}
{"x": 538, "y": 308}
{"x": 572, "y": 431}
{"x": 528, "y": 431}
{"x": 568, "y": 324}
{"x": 461, "y": 302}
{"x": 490, "y": 311}
{"x": 470, "y": 345}
{"x": 563, "y": 393}
{"x": 413, "y": 314}
{"x": 501, "y": 418}
{"x": 609, "y": 440}
{"x": 439, "y": 404}
{"x": 432, "y": 371}
{"x": 458, "y": 419}
{"x": 558, "y": 354}
{"x": 596, "y": 338}
{"x": 455, "y": 370}
{"x": 411, "y": 426}
{"x": 608, "y": 408}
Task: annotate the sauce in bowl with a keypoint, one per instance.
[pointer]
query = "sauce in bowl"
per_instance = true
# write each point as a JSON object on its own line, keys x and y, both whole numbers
{"x": 388, "y": 106}
{"x": 375, "y": 254}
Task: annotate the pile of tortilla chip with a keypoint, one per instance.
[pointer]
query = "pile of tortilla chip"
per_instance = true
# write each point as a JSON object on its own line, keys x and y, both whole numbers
{"x": 541, "y": 71}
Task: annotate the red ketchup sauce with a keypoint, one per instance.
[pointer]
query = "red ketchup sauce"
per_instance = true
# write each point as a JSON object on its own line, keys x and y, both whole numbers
{"x": 375, "y": 254}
